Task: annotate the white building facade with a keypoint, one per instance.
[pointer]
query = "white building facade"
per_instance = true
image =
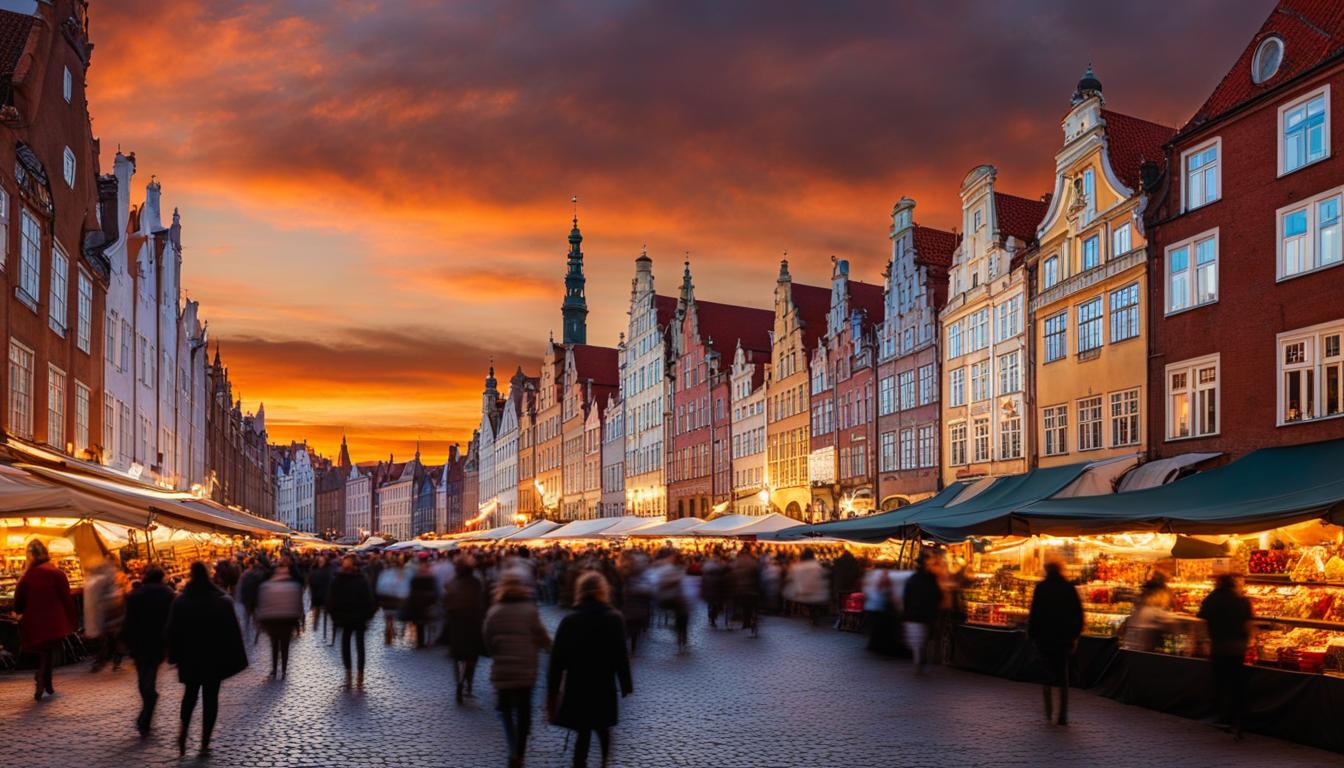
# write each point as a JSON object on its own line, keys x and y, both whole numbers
{"x": 645, "y": 393}
{"x": 747, "y": 399}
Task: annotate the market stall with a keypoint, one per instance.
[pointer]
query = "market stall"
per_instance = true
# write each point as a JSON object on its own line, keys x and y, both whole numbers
{"x": 629, "y": 525}
{"x": 579, "y": 530}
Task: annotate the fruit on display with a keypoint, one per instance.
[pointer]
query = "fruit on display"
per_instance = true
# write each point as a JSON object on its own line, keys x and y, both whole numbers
{"x": 1268, "y": 561}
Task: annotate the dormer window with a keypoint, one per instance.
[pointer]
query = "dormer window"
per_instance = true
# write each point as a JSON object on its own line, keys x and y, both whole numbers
{"x": 1267, "y": 59}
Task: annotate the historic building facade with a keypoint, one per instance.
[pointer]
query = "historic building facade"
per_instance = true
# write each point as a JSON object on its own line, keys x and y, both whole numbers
{"x": 613, "y": 457}
{"x": 985, "y": 410}
{"x": 799, "y": 323}
{"x": 1245, "y": 236}
{"x": 909, "y": 367}
{"x": 589, "y": 375}
{"x": 238, "y": 454}
{"x": 1089, "y": 306}
{"x": 645, "y": 391}
{"x": 751, "y": 495}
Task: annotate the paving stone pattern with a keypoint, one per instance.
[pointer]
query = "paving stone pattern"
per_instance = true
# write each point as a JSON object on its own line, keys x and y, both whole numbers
{"x": 797, "y": 696}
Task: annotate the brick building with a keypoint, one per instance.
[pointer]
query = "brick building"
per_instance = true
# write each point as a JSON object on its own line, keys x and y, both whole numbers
{"x": 1247, "y": 323}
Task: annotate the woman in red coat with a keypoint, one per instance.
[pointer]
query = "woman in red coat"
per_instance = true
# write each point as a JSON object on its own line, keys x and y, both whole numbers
{"x": 47, "y": 613}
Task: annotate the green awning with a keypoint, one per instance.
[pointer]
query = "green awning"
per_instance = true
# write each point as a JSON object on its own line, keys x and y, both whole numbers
{"x": 876, "y": 528}
{"x": 1265, "y": 489}
{"x": 989, "y": 513}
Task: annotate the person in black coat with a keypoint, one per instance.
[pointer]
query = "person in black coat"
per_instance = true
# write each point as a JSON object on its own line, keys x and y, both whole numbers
{"x": 249, "y": 586}
{"x": 319, "y": 583}
{"x": 1054, "y": 625}
{"x": 464, "y": 610}
{"x": 1231, "y": 624}
{"x": 350, "y": 605}
{"x": 588, "y": 660}
{"x": 206, "y": 643}
{"x": 147, "y": 609}
{"x": 920, "y": 605}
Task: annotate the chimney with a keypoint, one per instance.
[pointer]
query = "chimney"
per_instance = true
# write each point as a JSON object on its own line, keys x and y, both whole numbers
{"x": 150, "y": 220}
{"x": 108, "y": 213}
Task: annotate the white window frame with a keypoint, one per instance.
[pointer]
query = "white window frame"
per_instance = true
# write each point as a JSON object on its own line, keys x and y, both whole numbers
{"x": 1193, "y": 389}
{"x": 57, "y": 384}
{"x": 1010, "y": 372}
{"x": 1047, "y": 334}
{"x": 985, "y": 440}
{"x": 1119, "y": 248}
{"x": 956, "y": 387}
{"x": 30, "y": 259}
{"x": 1316, "y": 363}
{"x": 22, "y": 361}
{"x": 83, "y": 406}
{"x": 68, "y": 86}
{"x": 58, "y": 301}
{"x": 1312, "y": 239}
{"x": 1123, "y": 400}
{"x": 982, "y": 381}
{"x": 1055, "y": 422}
{"x": 1094, "y": 327}
{"x": 1217, "y": 144}
{"x": 1092, "y": 406}
{"x": 957, "y": 440}
{"x": 1010, "y": 437}
{"x": 1082, "y": 253}
{"x": 924, "y": 438}
{"x": 1282, "y": 139}
{"x": 69, "y": 167}
{"x": 1192, "y": 270}
{"x": 1119, "y": 315}
{"x": 1049, "y": 272}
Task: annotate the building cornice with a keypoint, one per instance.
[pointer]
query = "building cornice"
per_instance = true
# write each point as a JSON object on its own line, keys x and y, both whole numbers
{"x": 1071, "y": 285}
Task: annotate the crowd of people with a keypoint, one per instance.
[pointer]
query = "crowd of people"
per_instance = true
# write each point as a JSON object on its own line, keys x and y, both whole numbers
{"x": 484, "y": 602}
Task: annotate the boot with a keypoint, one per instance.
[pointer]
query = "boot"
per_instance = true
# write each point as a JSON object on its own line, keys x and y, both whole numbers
{"x": 182, "y": 740}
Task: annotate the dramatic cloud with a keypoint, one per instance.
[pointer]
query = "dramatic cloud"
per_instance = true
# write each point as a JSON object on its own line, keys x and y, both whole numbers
{"x": 349, "y": 166}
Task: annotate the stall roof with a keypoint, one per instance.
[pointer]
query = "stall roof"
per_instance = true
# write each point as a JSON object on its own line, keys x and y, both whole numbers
{"x": 493, "y": 534}
{"x": 1161, "y": 471}
{"x": 682, "y": 526}
{"x": 988, "y": 513}
{"x": 1268, "y": 488}
{"x": 580, "y": 529}
{"x": 721, "y": 526}
{"x": 629, "y": 525}
{"x": 761, "y": 525}
{"x": 879, "y": 527}
{"x": 532, "y": 530}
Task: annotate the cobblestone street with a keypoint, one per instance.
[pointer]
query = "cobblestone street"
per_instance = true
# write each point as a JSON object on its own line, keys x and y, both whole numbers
{"x": 796, "y": 696}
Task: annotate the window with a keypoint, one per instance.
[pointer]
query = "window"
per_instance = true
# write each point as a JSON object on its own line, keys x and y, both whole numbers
{"x": 1010, "y": 373}
{"x": 888, "y": 455}
{"x": 981, "y": 444}
{"x": 979, "y": 220}
{"x": 1192, "y": 284}
{"x": 1010, "y": 437}
{"x": 1121, "y": 240}
{"x": 55, "y": 407}
{"x": 1056, "y": 336}
{"x": 1008, "y": 319}
{"x": 1056, "y": 421}
{"x": 1201, "y": 174}
{"x": 69, "y": 168}
{"x": 60, "y": 291}
{"x": 928, "y": 384}
{"x": 1089, "y": 325}
{"x": 980, "y": 381}
{"x": 954, "y": 340}
{"x": 956, "y": 443}
{"x": 1125, "y": 313}
{"x": 978, "y": 331}
{"x": 68, "y": 86}
{"x": 1304, "y": 126}
{"x": 1049, "y": 272}
{"x": 1192, "y": 398}
{"x": 886, "y": 395}
{"x": 907, "y": 390}
{"x": 4, "y": 228}
{"x": 926, "y": 446}
{"x": 1089, "y": 423}
{"x": 30, "y": 258}
{"x": 1125, "y": 418}
{"x": 1091, "y": 252}
{"x": 1309, "y": 235}
{"x": 1090, "y": 190}
{"x": 907, "y": 449}
{"x": 83, "y": 337}
{"x": 109, "y": 421}
{"x": 1311, "y": 373}
{"x": 82, "y": 436}
{"x": 956, "y": 387}
{"x": 20, "y": 390}
{"x": 1268, "y": 56}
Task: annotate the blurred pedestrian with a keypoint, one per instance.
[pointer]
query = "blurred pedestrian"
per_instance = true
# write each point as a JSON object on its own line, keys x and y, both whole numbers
{"x": 714, "y": 587}
{"x": 922, "y": 603}
{"x": 319, "y": 584}
{"x": 636, "y": 598}
{"x": 280, "y": 612}
{"x": 668, "y": 578}
{"x": 588, "y": 661}
{"x": 147, "y": 609}
{"x": 392, "y": 589}
{"x": 746, "y": 584}
{"x": 1054, "y": 626}
{"x": 104, "y": 611}
{"x": 806, "y": 584}
{"x": 46, "y": 613}
{"x": 513, "y": 635}
{"x": 464, "y": 606}
{"x": 206, "y": 644}
{"x": 1231, "y": 624}
{"x": 350, "y": 606}
{"x": 249, "y": 585}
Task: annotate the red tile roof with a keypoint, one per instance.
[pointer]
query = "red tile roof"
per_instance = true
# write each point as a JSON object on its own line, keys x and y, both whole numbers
{"x": 666, "y": 307}
{"x": 813, "y": 305}
{"x": 722, "y": 326}
{"x": 14, "y": 29}
{"x": 1019, "y": 216}
{"x": 1312, "y": 33}
{"x": 934, "y": 246}
{"x": 1131, "y": 141}
{"x": 868, "y": 299}
{"x": 601, "y": 364}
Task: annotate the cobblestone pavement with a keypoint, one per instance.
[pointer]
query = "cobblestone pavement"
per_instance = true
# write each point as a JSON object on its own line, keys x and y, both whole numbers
{"x": 797, "y": 696}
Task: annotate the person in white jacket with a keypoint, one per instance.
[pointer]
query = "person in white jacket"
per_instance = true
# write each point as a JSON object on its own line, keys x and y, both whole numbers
{"x": 393, "y": 587}
{"x": 808, "y": 584}
{"x": 279, "y": 611}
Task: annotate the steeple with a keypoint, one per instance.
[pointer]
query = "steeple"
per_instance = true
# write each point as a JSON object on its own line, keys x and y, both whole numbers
{"x": 343, "y": 461}
{"x": 575, "y": 306}
{"x": 687, "y": 287}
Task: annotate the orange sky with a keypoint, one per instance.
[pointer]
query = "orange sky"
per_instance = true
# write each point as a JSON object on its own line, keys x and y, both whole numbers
{"x": 375, "y": 195}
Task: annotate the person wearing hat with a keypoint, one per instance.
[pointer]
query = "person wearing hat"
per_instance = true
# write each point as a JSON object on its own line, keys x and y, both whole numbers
{"x": 46, "y": 613}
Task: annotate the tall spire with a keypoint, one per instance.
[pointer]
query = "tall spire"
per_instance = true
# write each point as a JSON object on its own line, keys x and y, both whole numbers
{"x": 575, "y": 306}
{"x": 687, "y": 287}
{"x": 343, "y": 461}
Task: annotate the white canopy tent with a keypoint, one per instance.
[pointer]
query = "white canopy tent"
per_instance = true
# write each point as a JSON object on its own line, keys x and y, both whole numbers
{"x": 629, "y": 525}
{"x": 720, "y": 526}
{"x": 580, "y": 529}
{"x": 532, "y": 530}
{"x": 493, "y": 534}
{"x": 761, "y": 525}
{"x": 679, "y": 527}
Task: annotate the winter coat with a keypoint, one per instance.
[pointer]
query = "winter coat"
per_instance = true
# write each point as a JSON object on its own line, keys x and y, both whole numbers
{"x": 588, "y": 659}
{"x": 1056, "y": 618}
{"x": 147, "y": 609}
{"x": 350, "y": 601}
{"x": 47, "y": 609}
{"x": 204, "y": 639}
{"x": 319, "y": 584}
{"x": 464, "y": 603}
{"x": 1227, "y": 615}
{"x": 280, "y": 600}
{"x": 424, "y": 592}
{"x": 104, "y": 603}
{"x": 513, "y": 636}
{"x": 248, "y": 587}
{"x": 923, "y": 597}
{"x": 807, "y": 583}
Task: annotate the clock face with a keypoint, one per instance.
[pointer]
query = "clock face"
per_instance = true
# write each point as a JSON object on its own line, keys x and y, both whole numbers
{"x": 1267, "y": 59}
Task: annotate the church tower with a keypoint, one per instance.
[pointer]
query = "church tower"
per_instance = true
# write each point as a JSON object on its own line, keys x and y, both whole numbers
{"x": 575, "y": 307}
